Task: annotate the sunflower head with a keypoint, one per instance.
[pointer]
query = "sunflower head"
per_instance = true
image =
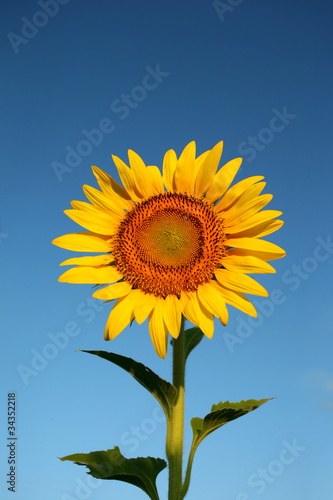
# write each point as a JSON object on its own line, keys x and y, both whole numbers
{"x": 180, "y": 242}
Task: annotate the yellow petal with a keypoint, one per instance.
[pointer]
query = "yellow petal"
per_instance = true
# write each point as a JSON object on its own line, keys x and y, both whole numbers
{"x": 208, "y": 169}
{"x": 144, "y": 304}
{"x": 248, "y": 196}
{"x": 82, "y": 242}
{"x": 223, "y": 179}
{"x": 256, "y": 219}
{"x": 113, "y": 291}
{"x": 239, "y": 282}
{"x": 84, "y": 206}
{"x": 210, "y": 296}
{"x": 263, "y": 249}
{"x": 260, "y": 230}
{"x": 172, "y": 314}
{"x": 120, "y": 316}
{"x": 235, "y": 192}
{"x": 96, "y": 260}
{"x": 109, "y": 186}
{"x": 197, "y": 165}
{"x": 185, "y": 168}
{"x": 187, "y": 302}
{"x": 103, "y": 202}
{"x": 158, "y": 330}
{"x": 206, "y": 320}
{"x": 100, "y": 223}
{"x": 240, "y": 213}
{"x": 93, "y": 275}
{"x": 237, "y": 299}
{"x": 197, "y": 313}
{"x": 169, "y": 167}
{"x": 224, "y": 320}
{"x": 246, "y": 263}
{"x": 155, "y": 179}
{"x": 139, "y": 171}
{"x": 93, "y": 209}
{"x": 127, "y": 178}
{"x": 265, "y": 256}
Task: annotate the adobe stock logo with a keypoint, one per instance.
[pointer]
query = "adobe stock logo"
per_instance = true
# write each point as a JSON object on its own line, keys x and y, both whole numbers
{"x": 30, "y": 27}
{"x": 292, "y": 278}
{"x": 223, "y": 7}
{"x": 265, "y": 476}
{"x": 121, "y": 108}
{"x": 138, "y": 433}
{"x": 248, "y": 149}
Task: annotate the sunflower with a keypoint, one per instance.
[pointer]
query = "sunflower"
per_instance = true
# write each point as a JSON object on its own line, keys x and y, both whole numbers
{"x": 172, "y": 244}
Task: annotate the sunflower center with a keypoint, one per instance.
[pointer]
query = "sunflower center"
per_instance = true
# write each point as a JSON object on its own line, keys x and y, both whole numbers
{"x": 169, "y": 238}
{"x": 169, "y": 243}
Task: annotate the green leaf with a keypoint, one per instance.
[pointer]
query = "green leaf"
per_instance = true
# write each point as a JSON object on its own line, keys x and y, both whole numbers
{"x": 221, "y": 414}
{"x": 163, "y": 391}
{"x": 192, "y": 338}
{"x": 111, "y": 464}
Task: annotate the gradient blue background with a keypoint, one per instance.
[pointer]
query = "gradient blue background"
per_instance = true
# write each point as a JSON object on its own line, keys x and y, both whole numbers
{"x": 224, "y": 74}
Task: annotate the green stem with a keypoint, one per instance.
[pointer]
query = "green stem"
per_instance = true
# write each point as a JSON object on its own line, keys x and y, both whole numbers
{"x": 175, "y": 433}
{"x": 188, "y": 472}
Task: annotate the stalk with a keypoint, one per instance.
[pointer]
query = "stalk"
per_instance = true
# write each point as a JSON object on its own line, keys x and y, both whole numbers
{"x": 175, "y": 432}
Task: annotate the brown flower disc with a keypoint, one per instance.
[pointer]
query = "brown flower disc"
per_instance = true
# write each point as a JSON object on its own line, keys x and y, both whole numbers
{"x": 169, "y": 243}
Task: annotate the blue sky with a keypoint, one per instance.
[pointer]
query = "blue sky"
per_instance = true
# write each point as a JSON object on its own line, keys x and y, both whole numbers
{"x": 84, "y": 80}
